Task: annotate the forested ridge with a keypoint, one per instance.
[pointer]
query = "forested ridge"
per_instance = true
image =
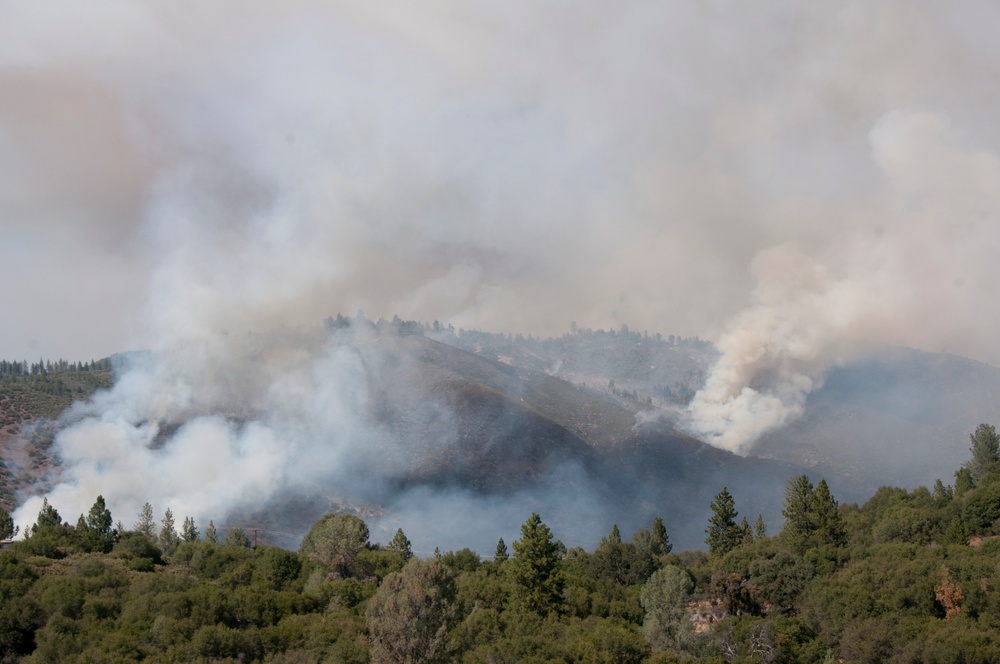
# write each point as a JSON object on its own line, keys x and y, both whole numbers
{"x": 909, "y": 576}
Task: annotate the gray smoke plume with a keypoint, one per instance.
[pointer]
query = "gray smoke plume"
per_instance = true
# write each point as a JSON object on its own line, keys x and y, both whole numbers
{"x": 208, "y": 181}
{"x": 920, "y": 279}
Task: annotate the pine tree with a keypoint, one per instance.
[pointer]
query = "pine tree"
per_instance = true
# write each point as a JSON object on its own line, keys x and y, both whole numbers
{"x": 985, "y": 449}
{"x": 237, "y": 537}
{"x": 189, "y": 532}
{"x": 211, "y": 535}
{"x": 534, "y": 568}
{"x": 168, "y": 533}
{"x": 99, "y": 518}
{"x": 963, "y": 481}
{"x": 401, "y": 545}
{"x": 616, "y": 535}
{"x": 145, "y": 524}
{"x": 723, "y": 533}
{"x": 500, "y": 555}
{"x": 942, "y": 494}
{"x": 48, "y": 517}
{"x": 759, "y": 530}
{"x": 661, "y": 543}
{"x": 99, "y": 526}
{"x": 829, "y": 527}
{"x": 7, "y": 528}
{"x": 798, "y": 511}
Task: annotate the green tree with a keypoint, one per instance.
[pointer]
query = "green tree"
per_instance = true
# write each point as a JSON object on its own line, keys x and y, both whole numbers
{"x": 625, "y": 564}
{"x": 189, "y": 532}
{"x": 211, "y": 534}
{"x": 100, "y": 526}
{"x": 500, "y": 555}
{"x": 48, "y": 517}
{"x": 277, "y": 567}
{"x": 759, "y": 529}
{"x": 963, "y": 481}
{"x": 942, "y": 494}
{"x": 664, "y": 600}
{"x": 145, "y": 525}
{"x": 7, "y": 528}
{"x": 661, "y": 545}
{"x": 985, "y": 449}
{"x": 746, "y": 533}
{"x": 411, "y": 613}
{"x": 237, "y": 537}
{"x": 168, "y": 533}
{"x": 829, "y": 527}
{"x": 534, "y": 568}
{"x": 723, "y": 533}
{"x": 800, "y": 522}
{"x": 982, "y": 509}
{"x": 335, "y": 542}
{"x": 401, "y": 545}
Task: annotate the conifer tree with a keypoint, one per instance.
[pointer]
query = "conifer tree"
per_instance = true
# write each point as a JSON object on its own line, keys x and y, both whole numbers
{"x": 99, "y": 518}
{"x": 500, "y": 555}
{"x": 534, "y": 568}
{"x": 168, "y": 533}
{"x": 759, "y": 530}
{"x": 401, "y": 545}
{"x": 7, "y": 528}
{"x": 942, "y": 494}
{"x": 145, "y": 524}
{"x": 237, "y": 537}
{"x": 48, "y": 517}
{"x": 189, "y": 532}
{"x": 829, "y": 527}
{"x": 798, "y": 511}
{"x": 660, "y": 542}
{"x": 211, "y": 535}
{"x": 724, "y": 534}
{"x": 963, "y": 481}
{"x": 746, "y": 534}
{"x": 985, "y": 450}
{"x": 99, "y": 526}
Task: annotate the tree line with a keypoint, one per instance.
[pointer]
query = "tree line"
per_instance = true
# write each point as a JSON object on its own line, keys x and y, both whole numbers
{"x": 47, "y": 367}
{"x": 910, "y": 576}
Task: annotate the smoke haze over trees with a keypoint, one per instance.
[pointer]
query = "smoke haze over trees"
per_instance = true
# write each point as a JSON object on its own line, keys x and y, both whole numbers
{"x": 798, "y": 184}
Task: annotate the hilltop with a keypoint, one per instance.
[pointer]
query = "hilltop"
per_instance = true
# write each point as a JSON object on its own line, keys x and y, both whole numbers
{"x": 483, "y": 427}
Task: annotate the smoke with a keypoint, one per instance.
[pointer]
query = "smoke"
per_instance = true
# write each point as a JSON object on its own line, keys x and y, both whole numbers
{"x": 916, "y": 280}
{"x": 210, "y": 181}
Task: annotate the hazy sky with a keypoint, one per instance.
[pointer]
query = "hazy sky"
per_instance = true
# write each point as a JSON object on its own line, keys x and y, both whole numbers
{"x": 812, "y": 176}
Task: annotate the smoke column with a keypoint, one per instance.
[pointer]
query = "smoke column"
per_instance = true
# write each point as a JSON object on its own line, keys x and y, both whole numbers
{"x": 210, "y": 181}
{"x": 905, "y": 284}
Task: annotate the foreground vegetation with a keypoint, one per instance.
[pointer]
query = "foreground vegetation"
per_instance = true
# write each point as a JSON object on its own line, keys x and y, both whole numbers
{"x": 894, "y": 580}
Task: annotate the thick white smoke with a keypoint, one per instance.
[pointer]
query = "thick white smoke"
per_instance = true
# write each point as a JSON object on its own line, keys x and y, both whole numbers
{"x": 209, "y": 180}
{"x": 910, "y": 282}
{"x": 206, "y": 434}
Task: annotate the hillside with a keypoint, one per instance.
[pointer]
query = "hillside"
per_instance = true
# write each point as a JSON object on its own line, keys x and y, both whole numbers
{"x": 895, "y": 416}
{"x": 485, "y": 441}
{"x": 466, "y": 431}
{"x": 899, "y": 417}
{"x": 29, "y": 407}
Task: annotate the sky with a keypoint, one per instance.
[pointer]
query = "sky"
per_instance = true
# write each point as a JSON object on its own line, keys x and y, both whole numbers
{"x": 796, "y": 184}
{"x": 168, "y": 168}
